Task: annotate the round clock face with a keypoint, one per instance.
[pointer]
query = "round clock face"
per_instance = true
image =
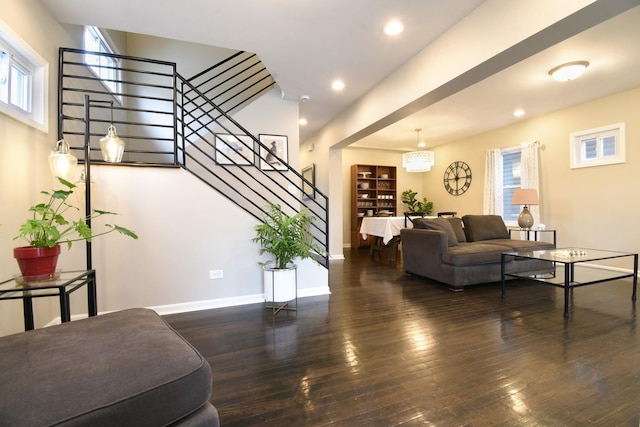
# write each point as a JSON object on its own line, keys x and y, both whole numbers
{"x": 457, "y": 178}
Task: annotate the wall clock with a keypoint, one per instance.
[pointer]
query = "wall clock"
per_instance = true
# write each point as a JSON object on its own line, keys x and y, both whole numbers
{"x": 457, "y": 178}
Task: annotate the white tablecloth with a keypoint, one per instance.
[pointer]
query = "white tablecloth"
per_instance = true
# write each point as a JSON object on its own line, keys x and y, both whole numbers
{"x": 386, "y": 227}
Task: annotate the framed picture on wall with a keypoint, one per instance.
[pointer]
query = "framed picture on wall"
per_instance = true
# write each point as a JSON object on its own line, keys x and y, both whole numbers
{"x": 276, "y": 155}
{"x": 232, "y": 149}
{"x": 308, "y": 188}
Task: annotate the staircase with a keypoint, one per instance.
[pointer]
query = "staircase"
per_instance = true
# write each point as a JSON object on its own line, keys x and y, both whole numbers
{"x": 172, "y": 121}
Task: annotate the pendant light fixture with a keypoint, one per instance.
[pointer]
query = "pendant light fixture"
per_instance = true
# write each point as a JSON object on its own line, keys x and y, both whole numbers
{"x": 111, "y": 145}
{"x": 62, "y": 163}
{"x": 419, "y": 160}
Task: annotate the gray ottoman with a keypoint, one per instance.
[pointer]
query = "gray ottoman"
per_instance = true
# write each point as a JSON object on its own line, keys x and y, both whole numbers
{"x": 127, "y": 368}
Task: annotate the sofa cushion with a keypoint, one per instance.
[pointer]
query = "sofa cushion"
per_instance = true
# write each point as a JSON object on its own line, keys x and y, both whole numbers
{"x": 476, "y": 253}
{"x": 456, "y": 224}
{"x": 523, "y": 245}
{"x": 440, "y": 224}
{"x": 124, "y": 368}
{"x": 484, "y": 227}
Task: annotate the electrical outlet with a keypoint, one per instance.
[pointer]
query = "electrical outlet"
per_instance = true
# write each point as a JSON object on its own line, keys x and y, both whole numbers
{"x": 215, "y": 274}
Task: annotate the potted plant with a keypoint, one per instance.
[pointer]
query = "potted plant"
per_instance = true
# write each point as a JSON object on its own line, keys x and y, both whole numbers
{"x": 47, "y": 228}
{"x": 415, "y": 206}
{"x": 284, "y": 238}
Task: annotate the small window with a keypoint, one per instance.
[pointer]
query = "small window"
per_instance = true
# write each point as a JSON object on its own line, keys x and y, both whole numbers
{"x": 106, "y": 68}
{"x": 23, "y": 81}
{"x": 596, "y": 147}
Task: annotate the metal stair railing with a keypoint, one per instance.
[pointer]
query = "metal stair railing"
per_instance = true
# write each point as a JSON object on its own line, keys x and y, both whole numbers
{"x": 235, "y": 160}
{"x": 170, "y": 121}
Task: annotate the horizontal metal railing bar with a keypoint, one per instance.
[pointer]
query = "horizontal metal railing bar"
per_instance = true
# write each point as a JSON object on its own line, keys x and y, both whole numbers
{"x": 128, "y": 82}
{"x": 118, "y": 56}
{"x": 98, "y": 92}
{"x": 115, "y": 107}
{"x": 128, "y": 70}
{"x": 130, "y": 137}
{"x": 122, "y": 122}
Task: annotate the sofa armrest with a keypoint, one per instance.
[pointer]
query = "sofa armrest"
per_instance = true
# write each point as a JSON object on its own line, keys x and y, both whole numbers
{"x": 422, "y": 249}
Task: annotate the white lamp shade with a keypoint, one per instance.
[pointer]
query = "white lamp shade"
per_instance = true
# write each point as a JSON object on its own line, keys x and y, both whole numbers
{"x": 62, "y": 163}
{"x": 112, "y": 146}
{"x": 418, "y": 161}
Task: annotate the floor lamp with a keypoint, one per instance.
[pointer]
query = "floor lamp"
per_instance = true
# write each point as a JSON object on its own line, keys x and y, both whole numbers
{"x": 63, "y": 164}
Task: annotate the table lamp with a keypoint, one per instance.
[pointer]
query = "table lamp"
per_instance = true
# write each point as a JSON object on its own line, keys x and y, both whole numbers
{"x": 525, "y": 196}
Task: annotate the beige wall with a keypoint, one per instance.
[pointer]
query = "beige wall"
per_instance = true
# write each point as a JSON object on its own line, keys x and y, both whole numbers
{"x": 590, "y": 207}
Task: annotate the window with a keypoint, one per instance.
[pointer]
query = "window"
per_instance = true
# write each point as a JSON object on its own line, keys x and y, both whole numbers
{"x": 511, "y": 172}
{"x": 23, "y": 81}
{"x": 596, "y": 147}
{"x": 106, "y": 68}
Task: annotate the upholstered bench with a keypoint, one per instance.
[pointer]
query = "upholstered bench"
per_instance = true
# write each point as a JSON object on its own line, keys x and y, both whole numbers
{"x": 120, "y": 369}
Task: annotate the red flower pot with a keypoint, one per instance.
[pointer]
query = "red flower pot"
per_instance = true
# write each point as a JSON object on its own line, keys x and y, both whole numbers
{"x": 37, "y": 263}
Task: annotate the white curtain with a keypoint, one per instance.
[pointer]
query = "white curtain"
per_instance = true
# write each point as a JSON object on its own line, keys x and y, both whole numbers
{"x": 529, "y": 175}
{"x": 492, "y": 203}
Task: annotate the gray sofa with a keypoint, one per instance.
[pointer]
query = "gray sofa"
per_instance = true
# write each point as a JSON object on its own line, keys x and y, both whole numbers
{"x": 464, "y": 251}
{"x": 127, "y": 368}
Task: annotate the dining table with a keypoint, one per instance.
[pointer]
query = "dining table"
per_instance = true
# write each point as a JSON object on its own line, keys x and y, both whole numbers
{"x": 386, "y": 232}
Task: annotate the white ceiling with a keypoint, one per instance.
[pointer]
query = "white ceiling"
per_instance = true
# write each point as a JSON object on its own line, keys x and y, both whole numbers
{"x": 307, "y": 43}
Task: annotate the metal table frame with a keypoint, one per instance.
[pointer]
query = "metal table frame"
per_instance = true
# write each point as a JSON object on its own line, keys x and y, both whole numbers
{"x": 569, "y": 279}
{"x": 62, "y": 286}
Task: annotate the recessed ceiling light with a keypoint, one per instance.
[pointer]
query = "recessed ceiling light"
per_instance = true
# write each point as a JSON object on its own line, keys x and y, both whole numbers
{"x": 393, "y": 28}
{"x": 518, "y": 113}
{"x": 337, "y": 85}
{"x": 302, "y": 121}
{"x": 568, "y": 71}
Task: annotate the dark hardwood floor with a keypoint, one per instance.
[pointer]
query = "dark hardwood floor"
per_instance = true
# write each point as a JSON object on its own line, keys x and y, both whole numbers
{"x": 386, "y": 349}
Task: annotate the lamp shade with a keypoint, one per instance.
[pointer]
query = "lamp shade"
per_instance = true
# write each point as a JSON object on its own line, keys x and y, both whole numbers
{"x": 112, "y": 146}
{"x": 62, "y": 163}
{"x": 525, "y": 196}
{"x": 418, "y": 161}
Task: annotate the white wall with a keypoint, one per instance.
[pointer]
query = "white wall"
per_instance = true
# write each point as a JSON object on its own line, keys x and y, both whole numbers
{"x": 185, "y": 228}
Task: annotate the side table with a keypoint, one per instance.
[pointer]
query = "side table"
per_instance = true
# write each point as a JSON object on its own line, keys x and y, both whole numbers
{"x": 535, "y": 232}
{"x": 61, "y": 286}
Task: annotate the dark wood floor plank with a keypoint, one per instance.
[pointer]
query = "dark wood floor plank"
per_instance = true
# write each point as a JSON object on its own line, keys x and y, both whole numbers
{"x": 387, "y": 349}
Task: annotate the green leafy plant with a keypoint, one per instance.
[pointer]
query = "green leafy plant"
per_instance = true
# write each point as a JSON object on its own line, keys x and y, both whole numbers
{"x": 286, "y": 237}
{"x": 414, "y": 205}
{"x": 48, "y": 226}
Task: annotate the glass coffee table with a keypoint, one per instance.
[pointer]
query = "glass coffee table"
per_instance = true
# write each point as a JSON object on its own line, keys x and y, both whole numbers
{"x": 565, "y": 270}
{"x": 61, "y": 285}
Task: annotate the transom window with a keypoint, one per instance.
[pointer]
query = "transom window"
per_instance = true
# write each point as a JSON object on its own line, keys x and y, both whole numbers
{"x": 595, "y": 147}
{"x": 106, "y": 68}
{"x": 15, "y": 82}
{"x": 23, "y": 80}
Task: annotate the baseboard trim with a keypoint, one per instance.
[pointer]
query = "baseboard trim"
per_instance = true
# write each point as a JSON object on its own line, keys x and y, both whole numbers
{"x": 208, "y": 304}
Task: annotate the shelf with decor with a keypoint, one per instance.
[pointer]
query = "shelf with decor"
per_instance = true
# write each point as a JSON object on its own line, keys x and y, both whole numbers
{"x": 373, "y": 193}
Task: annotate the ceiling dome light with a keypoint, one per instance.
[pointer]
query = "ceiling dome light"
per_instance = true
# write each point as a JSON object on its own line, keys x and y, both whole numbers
{"x": 393, "y": 28}
{"x": 519, "y": 113}
{"x": 568, "y": 71}
{"x": 302, "y": 121}
{"x": 337, "y": 85}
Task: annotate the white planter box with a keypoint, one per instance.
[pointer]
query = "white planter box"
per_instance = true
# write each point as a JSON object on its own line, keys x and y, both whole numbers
{"x": 280, "y": 284}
